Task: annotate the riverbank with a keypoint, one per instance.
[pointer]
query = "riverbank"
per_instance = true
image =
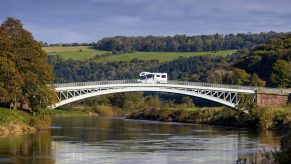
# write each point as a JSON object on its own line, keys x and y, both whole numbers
{"x": 15, "y": 122}
{"x": 82, "y": 112}
{"x": 99, "y": 110}
{"x": 15, "y": 129}
{"x": 258, "y": 118}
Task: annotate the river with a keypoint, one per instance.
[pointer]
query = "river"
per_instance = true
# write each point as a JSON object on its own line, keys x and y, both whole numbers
{"x": 119, "y": 140}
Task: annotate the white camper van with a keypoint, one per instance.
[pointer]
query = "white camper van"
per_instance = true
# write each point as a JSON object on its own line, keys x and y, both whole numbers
{"x": 152, "y": 78}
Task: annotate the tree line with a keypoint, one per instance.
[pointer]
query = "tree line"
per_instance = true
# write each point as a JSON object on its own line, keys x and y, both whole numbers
{"x": 183, "y": 43}
{"x": 198, "y": 69}
{"x": 45, "y": 44}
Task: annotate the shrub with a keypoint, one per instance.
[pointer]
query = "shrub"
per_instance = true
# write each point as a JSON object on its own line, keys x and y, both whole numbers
{"x": 118, "y": 112}
{"x": 165, "y": 115}
{"x": 40, "y": 121}
{"x": 282, "y": 156}
{"x": 104, "y": 110}
{"x": 181, "y": 115}
{"x": 271, "y": 117}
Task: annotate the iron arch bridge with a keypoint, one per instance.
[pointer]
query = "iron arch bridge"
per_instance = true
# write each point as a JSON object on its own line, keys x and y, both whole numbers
{"x": 227, "y": 95}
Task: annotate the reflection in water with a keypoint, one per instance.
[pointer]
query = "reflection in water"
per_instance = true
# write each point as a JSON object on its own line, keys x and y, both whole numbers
{"x": 117, "y": 140}
{"x": 27, "y": 149}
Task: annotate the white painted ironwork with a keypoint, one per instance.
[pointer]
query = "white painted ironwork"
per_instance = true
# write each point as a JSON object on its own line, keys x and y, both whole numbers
{"x": 223, "y": 94}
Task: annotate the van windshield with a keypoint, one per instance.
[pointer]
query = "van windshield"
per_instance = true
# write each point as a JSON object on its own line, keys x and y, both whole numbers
{"x": 149, "y": 76}
{"x": 142, "y": 77}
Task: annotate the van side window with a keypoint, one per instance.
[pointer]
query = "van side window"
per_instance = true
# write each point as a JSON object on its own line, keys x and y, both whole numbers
{"x": 163, "y": 76}
{"x": 158, "y": 75}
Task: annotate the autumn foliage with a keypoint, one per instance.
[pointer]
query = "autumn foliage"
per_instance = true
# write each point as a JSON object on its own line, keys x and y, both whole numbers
{"x": 24, "y": 71}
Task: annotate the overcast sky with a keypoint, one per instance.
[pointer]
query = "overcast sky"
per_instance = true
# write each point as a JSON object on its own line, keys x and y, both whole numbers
{"x": 67, "y": 21}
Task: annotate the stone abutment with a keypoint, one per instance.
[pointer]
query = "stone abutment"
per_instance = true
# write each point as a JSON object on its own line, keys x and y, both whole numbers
{"x": 269, "y": 100}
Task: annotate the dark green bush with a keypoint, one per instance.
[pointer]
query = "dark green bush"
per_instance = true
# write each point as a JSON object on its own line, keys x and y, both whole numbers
{"x": 283, "y": 156}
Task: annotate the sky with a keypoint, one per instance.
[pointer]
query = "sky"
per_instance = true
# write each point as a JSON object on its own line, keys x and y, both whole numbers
{"x": 69, "y": 21}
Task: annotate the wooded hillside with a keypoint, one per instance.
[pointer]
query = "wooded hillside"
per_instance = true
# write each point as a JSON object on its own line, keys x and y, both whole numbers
{"x": 264, "y": 65}
{"x": 183, "y": 43}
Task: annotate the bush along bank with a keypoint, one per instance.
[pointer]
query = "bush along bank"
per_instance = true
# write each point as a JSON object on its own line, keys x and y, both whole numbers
{"x": 72, "y": 112}
{"x": 15, "y": 122}
{"x": 97, "y": 110}
{"x": 279, "y": 156}
{"x": 261, "y": 118}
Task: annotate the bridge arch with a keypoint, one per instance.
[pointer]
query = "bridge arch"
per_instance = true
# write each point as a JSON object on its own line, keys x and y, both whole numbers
{"x": 229, "y": 99}
{"x": 224, "y": 94}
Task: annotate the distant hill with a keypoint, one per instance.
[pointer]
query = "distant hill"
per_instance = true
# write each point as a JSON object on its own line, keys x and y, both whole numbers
{"x": 122, "y": 48}
{"x": 265, "y": 64}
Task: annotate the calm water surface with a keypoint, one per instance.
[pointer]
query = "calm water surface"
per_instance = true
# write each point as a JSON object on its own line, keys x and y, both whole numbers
{"x": 118, "y": 140}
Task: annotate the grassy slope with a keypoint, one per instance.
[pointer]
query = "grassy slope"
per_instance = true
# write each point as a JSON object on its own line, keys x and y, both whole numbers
{"x": 161, "y": 56}
{"x": 12, "y": 116}
{"x": 15, "y": 122}
{"x": 73, "y": 52}
{"x": 85, "y": 52}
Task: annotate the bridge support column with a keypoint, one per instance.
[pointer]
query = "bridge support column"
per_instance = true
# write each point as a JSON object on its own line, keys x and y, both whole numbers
{"x": 265, "y": 100}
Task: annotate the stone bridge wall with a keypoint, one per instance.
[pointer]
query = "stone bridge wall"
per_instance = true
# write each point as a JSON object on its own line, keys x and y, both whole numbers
{"x": 265, "y": 100}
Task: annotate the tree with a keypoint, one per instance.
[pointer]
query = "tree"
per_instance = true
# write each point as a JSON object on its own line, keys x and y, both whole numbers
{"x": 220, "y": 76}
{"x": 256, "y": 81}
{"x": 187, "y": 102}
{"x": 25, "y": 68}
{"x": 152, "y": 102}
{"x": 132, "y": 101}
{"x": 10, "y": 78}
{"x": 281, "y": 74}
{"x": 241, "y": 77}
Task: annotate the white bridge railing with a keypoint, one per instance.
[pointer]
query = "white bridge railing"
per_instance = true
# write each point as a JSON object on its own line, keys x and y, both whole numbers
{"x": 185, "y": 83}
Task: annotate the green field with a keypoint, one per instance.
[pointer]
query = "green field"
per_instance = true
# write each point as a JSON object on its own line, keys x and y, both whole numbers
{"x": 67, "y": 48}
{"x": 161, "y": 56}
{"x": 74, "y": 52}
{"x": 85, "y": 52}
